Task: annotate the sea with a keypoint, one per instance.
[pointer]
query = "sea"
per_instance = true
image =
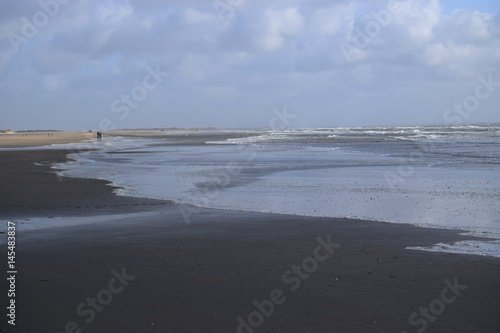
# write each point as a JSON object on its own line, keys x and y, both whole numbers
{"x": 427, "y": 176}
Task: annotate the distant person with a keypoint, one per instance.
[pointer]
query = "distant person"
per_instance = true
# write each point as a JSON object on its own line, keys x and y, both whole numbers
{"x": 99, "y": 135}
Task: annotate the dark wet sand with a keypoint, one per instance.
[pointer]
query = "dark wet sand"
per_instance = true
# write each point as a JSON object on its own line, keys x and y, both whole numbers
{"x": 200, "y": 276}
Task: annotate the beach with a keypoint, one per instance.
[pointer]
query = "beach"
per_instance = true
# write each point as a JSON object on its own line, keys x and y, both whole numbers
{"x": 42, "y": 138}
{"x": 151, "y": 269}
{"x": 236, "y": 166}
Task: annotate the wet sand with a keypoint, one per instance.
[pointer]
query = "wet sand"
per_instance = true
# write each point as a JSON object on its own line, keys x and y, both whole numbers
{"x": 202, "y": 275}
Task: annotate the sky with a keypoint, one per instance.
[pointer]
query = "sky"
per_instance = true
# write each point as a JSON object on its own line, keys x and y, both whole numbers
{"x": 100, "y": 64}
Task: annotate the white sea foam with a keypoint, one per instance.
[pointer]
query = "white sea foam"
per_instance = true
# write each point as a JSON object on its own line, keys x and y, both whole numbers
{"x": 484, "y": 248}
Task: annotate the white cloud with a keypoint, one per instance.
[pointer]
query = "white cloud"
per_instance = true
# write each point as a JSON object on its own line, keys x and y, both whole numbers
{"x": 280, "y": 25}
{"x": 195, "y": 17}
{"x": 112, "y": 13}
{"x": 331, "y": 20}
{"x": 440, "y": 54}
{"x": 471, "y": 26}
{"x": 420, "y": 17}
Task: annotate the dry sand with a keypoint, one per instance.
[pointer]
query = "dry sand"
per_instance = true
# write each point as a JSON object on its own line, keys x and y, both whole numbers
{"x": 34, "y": 139}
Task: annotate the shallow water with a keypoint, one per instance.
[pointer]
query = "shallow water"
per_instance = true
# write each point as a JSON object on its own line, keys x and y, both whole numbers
{"x": 428, "y": 176}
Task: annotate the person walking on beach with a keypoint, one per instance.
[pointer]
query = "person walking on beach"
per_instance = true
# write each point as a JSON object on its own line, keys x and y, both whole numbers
{"x": 99, "y": 135}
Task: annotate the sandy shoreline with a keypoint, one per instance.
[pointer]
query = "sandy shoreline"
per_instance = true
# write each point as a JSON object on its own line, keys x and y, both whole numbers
{"x": 179, "y": 136}
{"x": 203, "y": 275}
{"x": 36, "y": 139}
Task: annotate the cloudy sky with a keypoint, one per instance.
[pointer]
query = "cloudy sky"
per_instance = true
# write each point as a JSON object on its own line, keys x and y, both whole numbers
{"x": 79, "y": 65}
